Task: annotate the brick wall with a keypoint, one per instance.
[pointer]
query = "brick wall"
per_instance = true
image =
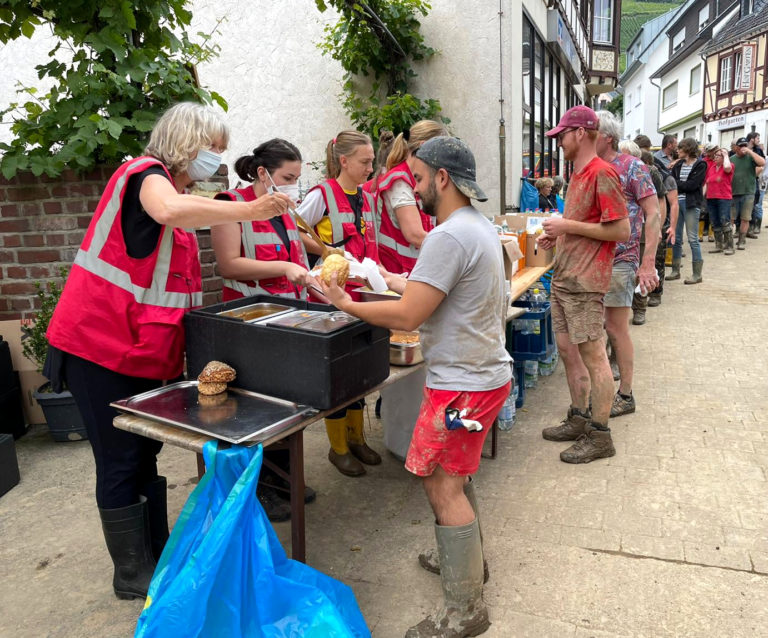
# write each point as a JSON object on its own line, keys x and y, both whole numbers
{"x": 42, "y": 223}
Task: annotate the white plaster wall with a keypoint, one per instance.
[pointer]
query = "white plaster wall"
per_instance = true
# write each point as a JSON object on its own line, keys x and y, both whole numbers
{"x": 686, "y": 104}
{"x": 645, "y": 116}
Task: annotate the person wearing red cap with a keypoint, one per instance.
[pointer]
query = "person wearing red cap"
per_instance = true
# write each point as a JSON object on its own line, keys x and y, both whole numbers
{"x": 595, "y": 218}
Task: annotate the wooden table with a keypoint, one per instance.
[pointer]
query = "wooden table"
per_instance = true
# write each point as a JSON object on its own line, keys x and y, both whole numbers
{"x": 291, "y": 438}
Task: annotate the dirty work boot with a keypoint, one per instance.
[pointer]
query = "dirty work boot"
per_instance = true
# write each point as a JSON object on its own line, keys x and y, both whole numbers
{"x": 622, "y": 405}
{"x": 339, "y": 453}
{"x": 157, "y": 513}
{"x": 463, "y": 612}
{"x": 718, "y": 242}
{"x": 570, "y": 428}
{"x": 654, "y": 299}
{"x": 638, "y": 317}
{"x": 276, "y": 509}
{"x": 592, "y": 445}
{"x": 752, "y": 233}
{"x": 727, "y": 242}
{"x": 711, "y": 235}
{"x": 675, "y": 270}
{"x": 356, "y": 438}
{"x": 696, "y": 277}
{"x": 126, "y": 531}
{"x": 742, "y": 243}
{"x": 430, "y": 560}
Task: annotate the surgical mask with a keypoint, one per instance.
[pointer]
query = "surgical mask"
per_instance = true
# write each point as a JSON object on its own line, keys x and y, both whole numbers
{"x": 204, "y": 165}
{"x": 292, "y": 190}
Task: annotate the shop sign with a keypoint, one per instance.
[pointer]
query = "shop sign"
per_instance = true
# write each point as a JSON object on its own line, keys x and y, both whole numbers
{"x": 748, "y": 54}
{"x": 731, "y": 122}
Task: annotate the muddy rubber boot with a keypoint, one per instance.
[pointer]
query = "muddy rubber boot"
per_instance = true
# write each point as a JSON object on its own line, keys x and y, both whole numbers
{"x": 718, "y": 242}
{"x": 430, "y": 560}
{"x": 356, "y": 439}
{"x": 696, "y": 277}
{"x": 592, "y": 445}
{"x": 654, "y": 299}
{"x": 638, "y": 317}
{"x": 751, "y": 233}
{"x": 728, "y": 241}
{"x": 157, "y": 512}
{"x": 742, "y": 243}
{"x": 126, "y": 531}
{"x": 675, "y": 270}
{"x": 463, "y": 612}
{"x": 570, "y": 428}
{"x": 339, "y": 453}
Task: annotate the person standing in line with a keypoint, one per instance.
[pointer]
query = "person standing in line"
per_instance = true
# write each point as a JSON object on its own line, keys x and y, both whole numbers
{"x": 595, "y": 218}
{"x": 628, "y": 269}
{"x": 456, "y": 296}
{"x": 118, "y": 330}
{"x": 403, "y": 224}
{"x": 668, "y": 151}
{"x": 718, "y": 193}
{"x": 757, "y": 212}
{"x": 689, "y": 173}
{"x": 745, "y": 164}
{"x": 343, "y": 215}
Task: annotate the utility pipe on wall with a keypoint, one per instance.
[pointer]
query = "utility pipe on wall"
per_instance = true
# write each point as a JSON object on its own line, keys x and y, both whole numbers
{"x": 502, "y": 132}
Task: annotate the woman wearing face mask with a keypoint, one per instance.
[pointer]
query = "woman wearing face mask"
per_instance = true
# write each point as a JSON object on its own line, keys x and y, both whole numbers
{"x": 117, "y": 329}
{"x": 263, "y": 257}
{"x": 343, "y": 216}
{"x": 403, "y": 224}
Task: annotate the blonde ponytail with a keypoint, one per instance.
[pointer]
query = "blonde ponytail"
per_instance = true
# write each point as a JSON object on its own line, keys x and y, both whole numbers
{"x": 345, "y": 144}
{"x": 419, "y": 133}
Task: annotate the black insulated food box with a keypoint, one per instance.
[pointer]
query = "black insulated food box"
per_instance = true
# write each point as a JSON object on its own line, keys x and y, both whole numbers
{"x": 320, "y": 370}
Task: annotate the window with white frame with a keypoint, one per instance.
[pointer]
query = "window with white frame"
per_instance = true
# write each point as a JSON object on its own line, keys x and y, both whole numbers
{"x": 678, "y": 39}
{"x": 737, "y": 72}
{"x": 603, "y": 21}
{"x": 695, "y": 80}
{"x": 725, "y": 75}
{"x": 704, "y": 16}
{"x": 669, "y": 95}
{"x": 690, "y": 132}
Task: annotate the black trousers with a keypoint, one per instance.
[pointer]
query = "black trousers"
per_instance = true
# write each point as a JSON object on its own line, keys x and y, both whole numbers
{"x": 125, "y": 462}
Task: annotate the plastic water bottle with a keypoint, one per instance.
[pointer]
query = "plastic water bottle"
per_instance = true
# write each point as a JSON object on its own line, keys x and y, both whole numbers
{"x": 506, "y": 416}
{"x": 538, "y": 300}
{"x": 531, "y": 373}
{"x": 547, "y": 365}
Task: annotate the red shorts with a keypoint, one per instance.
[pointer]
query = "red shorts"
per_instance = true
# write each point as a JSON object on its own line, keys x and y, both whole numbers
{"x": 456, "y": 451}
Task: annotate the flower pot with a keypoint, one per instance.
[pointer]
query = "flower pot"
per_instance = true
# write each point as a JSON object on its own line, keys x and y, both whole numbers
{"x": 61, "y": 414}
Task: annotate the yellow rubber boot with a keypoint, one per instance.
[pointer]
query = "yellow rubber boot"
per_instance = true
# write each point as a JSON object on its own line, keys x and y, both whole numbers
{"x": 339, "y": 453}
{"x": 356, "y": 439}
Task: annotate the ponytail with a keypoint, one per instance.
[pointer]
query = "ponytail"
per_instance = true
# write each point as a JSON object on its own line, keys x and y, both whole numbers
{"x": 271, "y": 155}
{"x": 405, "y": 145}
{"x": 345, "y": 143}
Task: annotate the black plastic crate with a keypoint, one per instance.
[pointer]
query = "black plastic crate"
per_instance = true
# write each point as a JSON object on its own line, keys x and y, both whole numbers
{"x": 12, "y": 420}
{"x": 530, "y": 347}
{"x": 321, "y": 370}
{"x": 9, "y": 465}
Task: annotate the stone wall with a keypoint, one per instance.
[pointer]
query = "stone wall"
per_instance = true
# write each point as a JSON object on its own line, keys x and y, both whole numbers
{"x": 42, "y": 223}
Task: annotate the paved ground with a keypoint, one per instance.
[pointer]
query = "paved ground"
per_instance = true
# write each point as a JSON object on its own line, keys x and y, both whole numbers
{"x": 668, "y": 538}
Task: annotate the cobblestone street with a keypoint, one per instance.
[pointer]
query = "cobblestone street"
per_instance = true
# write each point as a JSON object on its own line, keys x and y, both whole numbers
{"x": 667, "y": 538}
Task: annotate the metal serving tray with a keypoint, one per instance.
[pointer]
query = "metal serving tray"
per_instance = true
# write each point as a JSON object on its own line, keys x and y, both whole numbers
{"x": 255, "y": 312}
{"x": 236, "y": 416}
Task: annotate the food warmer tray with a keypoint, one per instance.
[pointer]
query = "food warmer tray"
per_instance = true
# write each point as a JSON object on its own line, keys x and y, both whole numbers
{"x": 236, "y": 416}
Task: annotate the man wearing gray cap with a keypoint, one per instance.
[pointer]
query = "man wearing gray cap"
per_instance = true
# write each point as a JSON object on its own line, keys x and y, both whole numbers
{"x": 456, "y": 296}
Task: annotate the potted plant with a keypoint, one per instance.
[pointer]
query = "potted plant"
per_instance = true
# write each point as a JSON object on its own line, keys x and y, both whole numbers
{"x": 60, "y": 410}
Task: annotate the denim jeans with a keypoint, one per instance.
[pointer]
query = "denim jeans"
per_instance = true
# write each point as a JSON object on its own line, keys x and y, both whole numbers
{"x": 719, "y": 213}
{"x": 757, "y": 211}
{"x": 689, "y": 216}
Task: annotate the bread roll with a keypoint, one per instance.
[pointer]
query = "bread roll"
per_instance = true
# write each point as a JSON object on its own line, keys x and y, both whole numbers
{"x": 208, "y": 388}
{"x": 335, "y": 264}
{"x": 217, "y": 372}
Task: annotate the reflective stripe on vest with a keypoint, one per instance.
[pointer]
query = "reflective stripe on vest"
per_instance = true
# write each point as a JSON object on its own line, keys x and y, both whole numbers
{"x": 404, "y": 251}
{"x": 339, "y": 218}
{"x": 156, "y": 294}
{"x": 409, "y": 251}
{"x": 251, "y": 239}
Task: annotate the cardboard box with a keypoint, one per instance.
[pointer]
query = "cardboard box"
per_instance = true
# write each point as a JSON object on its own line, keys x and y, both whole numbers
{"x": 535, "y": 256}
{"x": 514, "y": 221}
{"x": 30, "y": 379}
{"x": 512, "y": 255}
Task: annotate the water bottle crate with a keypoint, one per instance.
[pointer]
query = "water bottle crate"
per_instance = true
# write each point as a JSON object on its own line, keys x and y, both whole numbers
{"x": 531, "y": 346}
{"x": 520, "y": 380}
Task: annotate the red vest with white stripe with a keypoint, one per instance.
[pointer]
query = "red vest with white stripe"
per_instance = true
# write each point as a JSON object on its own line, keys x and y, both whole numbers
{"x": 259, "y": 240}
{"x": 124, "y": 313}
{"x": 343, "y": 221}
{"x": 398, "y": 255}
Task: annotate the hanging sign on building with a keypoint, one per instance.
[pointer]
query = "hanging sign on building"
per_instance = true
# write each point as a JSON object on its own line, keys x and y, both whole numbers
{"x": 748, "y": 54}
{"x": 731, "y": 122}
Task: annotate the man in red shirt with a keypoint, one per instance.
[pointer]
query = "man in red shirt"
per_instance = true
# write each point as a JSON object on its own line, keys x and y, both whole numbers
{"x": 595, "y": 218}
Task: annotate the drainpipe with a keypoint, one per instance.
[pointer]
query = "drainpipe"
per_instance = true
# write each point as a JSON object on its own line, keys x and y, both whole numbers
{"x": 502, "y": 131}
{"x": 658, "y": 104}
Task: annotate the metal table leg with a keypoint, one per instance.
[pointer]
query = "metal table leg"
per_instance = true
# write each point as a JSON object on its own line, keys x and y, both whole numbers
{"x": 296, "y": 451}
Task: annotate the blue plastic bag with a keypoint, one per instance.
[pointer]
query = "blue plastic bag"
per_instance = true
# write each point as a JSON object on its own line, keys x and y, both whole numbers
{"x": 529, "y": 196}
{"x": 224, "y": 574}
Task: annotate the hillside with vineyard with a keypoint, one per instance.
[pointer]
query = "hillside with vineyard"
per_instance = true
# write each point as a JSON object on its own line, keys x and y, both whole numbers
{"x": 634, "y": 14}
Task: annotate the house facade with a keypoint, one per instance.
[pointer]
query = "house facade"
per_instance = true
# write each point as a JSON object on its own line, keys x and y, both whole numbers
{"x": 735, "y": 83}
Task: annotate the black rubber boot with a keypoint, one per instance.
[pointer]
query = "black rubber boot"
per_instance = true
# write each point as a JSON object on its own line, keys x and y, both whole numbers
{"x": 157, "y": 510}
{"x": 126, "y": 531}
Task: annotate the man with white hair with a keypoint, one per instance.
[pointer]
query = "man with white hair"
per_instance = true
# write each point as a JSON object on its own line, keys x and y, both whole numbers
{"x": 628, "y": 267}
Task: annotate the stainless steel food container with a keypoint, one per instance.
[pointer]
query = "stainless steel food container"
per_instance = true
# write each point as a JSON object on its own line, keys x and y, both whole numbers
{"x": 405, "y": 354}
{"x": 255, "y": 312}
{"x": 366, "y": 294}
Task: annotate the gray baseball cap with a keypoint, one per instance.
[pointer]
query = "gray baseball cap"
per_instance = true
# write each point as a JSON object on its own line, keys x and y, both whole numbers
{"x": 453, "y": 155}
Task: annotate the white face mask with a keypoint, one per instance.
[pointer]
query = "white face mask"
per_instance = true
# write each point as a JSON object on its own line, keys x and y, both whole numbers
{"x": 204, "y": 165}
{"x": 292, "y": 190}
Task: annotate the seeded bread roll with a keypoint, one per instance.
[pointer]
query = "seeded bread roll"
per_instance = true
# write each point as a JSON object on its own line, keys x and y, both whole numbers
{"x": 335, "y": 264}
{"x": 211, "y": 400}
{"x": 217, "y": 372}
{"x": 208, "y": 388}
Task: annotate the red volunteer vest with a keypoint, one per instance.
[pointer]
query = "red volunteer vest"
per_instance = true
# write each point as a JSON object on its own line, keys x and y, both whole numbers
{"x": 397, "y": 254}
{"x": 124, "y": 313}
{"x": 259, "y": 240}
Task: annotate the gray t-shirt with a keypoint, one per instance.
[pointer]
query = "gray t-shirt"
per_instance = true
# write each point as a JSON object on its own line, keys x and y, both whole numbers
{"x": 463, "y": 340}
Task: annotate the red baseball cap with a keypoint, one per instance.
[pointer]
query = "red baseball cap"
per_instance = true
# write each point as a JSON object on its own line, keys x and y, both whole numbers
{"x": 579, "y": 116}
